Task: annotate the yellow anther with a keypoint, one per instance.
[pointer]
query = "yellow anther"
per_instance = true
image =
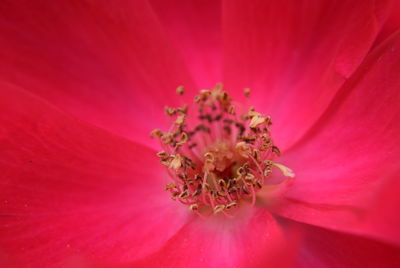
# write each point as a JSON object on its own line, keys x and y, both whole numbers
{"x": 243, "y": 149}
{"x": 177, "y": 162}
{"x": 169, "y": 111}
{"x": 276, "y": 150}
{"x": 256, "y": 121}
{"x": 230, "y": 205}
{"x": 183, "y": 140}
{"x": 249, "y": 177}
{"x": 247, "y": 92}
{"x": 162, "y": 154}
{"x": 180, "y": 90}
{"x": 180, "y": 119}
{"x": 194, "y": 207}
{"x": 285, "y": 170}
{"x": 156, "y": 133}
{"x": 170, "y": 186}
{"x": 231, "y": 110}
{"x": 184, "y": 194}
{"x": 218, "y": 208}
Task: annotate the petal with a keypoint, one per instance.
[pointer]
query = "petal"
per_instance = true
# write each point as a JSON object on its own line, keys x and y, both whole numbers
{"x": 352, "y": 150}
{"x": 383, "y": 217}
{"x": 195, "y": 28}
{"x": 70, "y": 189}
{"x": 107, "y": 62}
{"x": 325, "y": 248}
{"x": 392, "y": 24}
{"x": 295, "y": 55}
{"x": 253, "y": 240}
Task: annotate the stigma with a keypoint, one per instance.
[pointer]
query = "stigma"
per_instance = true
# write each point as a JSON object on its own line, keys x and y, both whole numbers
{"x": 220, "y": 156}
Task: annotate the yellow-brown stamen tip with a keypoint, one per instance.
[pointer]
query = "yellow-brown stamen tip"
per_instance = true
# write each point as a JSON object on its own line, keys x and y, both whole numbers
{"x": 194, "y": 207}
{"x": 243, "y": 149}
{"x": 180, "y": 119}
{"x": 218, "y": 208}
{"x": 256, "y": 121}
{"x": 177, "y": 162}
{"x": 247, "y": 92}
{"x": 170, "y": 186}
{"x": 180, "y": 90}
{"x": 231, "y": 110}
{"x": 183, "y": 140}
{"x": 285, "y": 170}
{"x": 156, "y": 133}
{"x": 231, "y": 205}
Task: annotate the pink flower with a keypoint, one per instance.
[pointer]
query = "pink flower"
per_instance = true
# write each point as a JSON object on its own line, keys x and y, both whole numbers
{"x": 82, "y": 83}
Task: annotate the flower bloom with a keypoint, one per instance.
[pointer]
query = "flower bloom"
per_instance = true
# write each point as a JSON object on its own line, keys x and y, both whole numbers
{"x": 82, "y": 84}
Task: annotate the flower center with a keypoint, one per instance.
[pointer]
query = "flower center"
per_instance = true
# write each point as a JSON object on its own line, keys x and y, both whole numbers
{"x": 219, "y": 159}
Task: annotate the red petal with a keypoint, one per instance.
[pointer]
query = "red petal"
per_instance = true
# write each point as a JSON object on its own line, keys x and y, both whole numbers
{"x": 295, "y": 55}
{"x": 383, "y": 218}
{"x": 70, "y": 189}
{"x": 324, "y": 248}
{"x": 392, "y": 24}
{"x": 352, "y": 150}
{"x": 108, "y": 62}
{"x": 253, "y": 240}
{"x": 195, "y": 28}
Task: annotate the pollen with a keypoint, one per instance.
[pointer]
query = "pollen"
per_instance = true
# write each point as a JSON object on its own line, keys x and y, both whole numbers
{"x": 221, "y": 158}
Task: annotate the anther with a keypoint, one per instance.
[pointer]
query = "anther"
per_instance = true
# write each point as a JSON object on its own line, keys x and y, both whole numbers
{"x": 184, "y": 194}
{"x": 285, "y": 170}
{"x": 194, "y": 207}
{"x": 231, "y": 205}
{"x": 198, "y": 190}
{"x": 180, "y": 90}
{"x": 156, "y": 133}
{"x": 243, "y": 149}
{"x": 183, "y": 140}
{"x": 218, "y": 208}
{"x": 177, "y": 162}
{"x": 170, "y": 186}
{"x": 276, "y": 150}
{"x": 256, "y": 121}
{"x": 247, "y": 92}
{"x": 180, "y": 119}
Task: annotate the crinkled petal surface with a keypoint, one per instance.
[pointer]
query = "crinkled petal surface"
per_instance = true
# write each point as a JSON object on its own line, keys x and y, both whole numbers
{"x": 352, "y": 151}
{"x": 69, "y": 189}
{"x": 295, "y": 55}
{"x": 107, "y": 62}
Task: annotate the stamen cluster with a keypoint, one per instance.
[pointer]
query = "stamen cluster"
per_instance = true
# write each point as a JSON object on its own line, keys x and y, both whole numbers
{"x": 222, "y": 159}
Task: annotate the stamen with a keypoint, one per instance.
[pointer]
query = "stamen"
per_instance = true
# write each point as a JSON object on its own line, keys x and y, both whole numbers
{"x": 180, "y": 90}
{"x": 221, "y": 161}
{"x": 218, "y": 208}
{"x": 285, "y": 170}
{"x": 247, "y": 92}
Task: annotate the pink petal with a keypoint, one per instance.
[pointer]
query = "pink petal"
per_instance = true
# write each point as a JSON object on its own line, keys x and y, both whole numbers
{"x": 107, "y": 62}
{"x": 352, "y": 150}
{"x": 392, "y": 24}
{"x": 383, "y": 217}
{"x": 325, "y": 248}
{"x": 253, "y": 240}
{"x": 72, "y": 190}
{"x": 295, "y": 55}
{"x": 195, "y": 28}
